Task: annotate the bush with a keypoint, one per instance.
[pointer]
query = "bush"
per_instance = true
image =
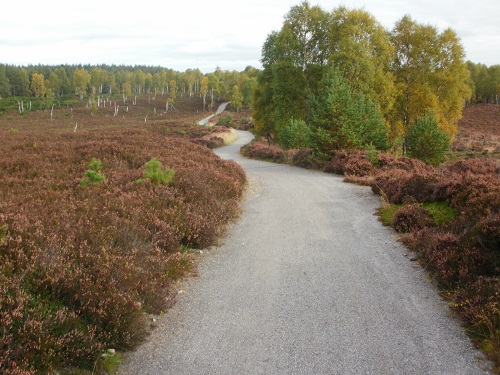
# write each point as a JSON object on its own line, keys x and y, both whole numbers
{"x": 226, "y": 120}
{"x": 263, "y": 152}
{"x": 156, "y": 175}
{"x": 93, "y": 176}
{"x": 425, "y": 141}
{"x": 411, "y": 218}
{"x": 79, "y": 268}
{"x": 295, "y": 135}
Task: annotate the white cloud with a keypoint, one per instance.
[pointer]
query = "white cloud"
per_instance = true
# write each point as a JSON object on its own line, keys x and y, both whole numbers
{"x": 189, "y": 34}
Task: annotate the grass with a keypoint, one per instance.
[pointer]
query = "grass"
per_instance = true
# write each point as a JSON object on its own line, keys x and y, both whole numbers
{"x": 441, "y": 212}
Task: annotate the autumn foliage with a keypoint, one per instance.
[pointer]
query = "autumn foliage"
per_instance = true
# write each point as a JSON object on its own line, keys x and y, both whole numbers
{"x": 81, "y": 264}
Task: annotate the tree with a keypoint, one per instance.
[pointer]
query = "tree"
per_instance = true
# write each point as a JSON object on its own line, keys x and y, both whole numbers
{"x": 425, "y": 141}
{"x": 81, "y": 81}
{"x": 64, "y": 83}
{"x": 236, "y": 98}
{"x": 38, "y": 85}
{"x": 360, "y": 47}
{"x": 342, "y": 118}
{"x": 97, "y": 79}
{"x": 4, "y": 83}
{"x": 288, "y": 93}
{"x": 172, "y": 90}
{"x": 139, "y": 81}
{"x": 430, "y": 75}
{"x": 248, "y": 85}
{"x": 296, "y": 135}
{"x": 263, "y": 104}
{"x": 52, "y": 83}
{"x": 24, "y": 83}
{"x": 204, "y": 90}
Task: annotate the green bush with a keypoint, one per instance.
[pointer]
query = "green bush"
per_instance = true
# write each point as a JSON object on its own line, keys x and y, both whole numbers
{"x": 156, "y": 175}
{"x": 425, "y": 141}
{"x": 226, "y": 120}
{"x": 93, "y": 176}
{"x": 296, "y": 134}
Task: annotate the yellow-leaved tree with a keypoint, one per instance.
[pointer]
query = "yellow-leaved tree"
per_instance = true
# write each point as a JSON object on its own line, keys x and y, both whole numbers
{"x": 431, "y": 75}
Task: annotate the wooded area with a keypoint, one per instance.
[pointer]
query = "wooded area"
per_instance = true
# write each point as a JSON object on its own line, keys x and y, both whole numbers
{"x": 95, "y": 82}
{"x": 402, "y": 75}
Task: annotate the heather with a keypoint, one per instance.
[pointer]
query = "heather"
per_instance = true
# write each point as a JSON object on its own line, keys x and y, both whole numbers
{"x": 449, "y": 216}
{"x": 83, "y": 263}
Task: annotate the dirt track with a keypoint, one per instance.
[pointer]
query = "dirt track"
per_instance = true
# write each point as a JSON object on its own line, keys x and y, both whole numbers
{"x": 307, "y": 282}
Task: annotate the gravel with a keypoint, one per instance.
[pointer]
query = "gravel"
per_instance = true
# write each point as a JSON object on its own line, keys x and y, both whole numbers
{"x": 308, "y": 281}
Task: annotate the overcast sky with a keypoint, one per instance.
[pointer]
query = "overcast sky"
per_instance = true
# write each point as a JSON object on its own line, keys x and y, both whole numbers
{"x": 184, "y": 34}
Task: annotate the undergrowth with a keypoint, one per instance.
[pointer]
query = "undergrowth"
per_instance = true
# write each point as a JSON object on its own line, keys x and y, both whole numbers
{"x": 81, "y": 264}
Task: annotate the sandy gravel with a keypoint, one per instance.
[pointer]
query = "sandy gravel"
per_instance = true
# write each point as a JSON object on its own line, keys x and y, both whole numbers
{"x": 307, "y": 282}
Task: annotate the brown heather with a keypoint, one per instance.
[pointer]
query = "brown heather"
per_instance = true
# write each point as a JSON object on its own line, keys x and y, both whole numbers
{"x": 81, "y": 266}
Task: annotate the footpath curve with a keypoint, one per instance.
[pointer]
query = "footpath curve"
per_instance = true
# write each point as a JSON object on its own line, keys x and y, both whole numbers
{"x": 308, "y": 281}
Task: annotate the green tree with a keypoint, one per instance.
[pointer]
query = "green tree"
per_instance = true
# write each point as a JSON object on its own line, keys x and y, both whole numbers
{"x": 97, "y": 79}
{"x": 288, "y": 93}
{"x": 81, "y": 81}
{"x": 4, "y": 83}
{"x": 296, "y": 135}
{"x": 342, "y": 118}
{"x": 64, "y": 83}
{"x": 360, "y": 47}
{"x": 426, "y": 141}
{"x": 24, "y": 83}
{"x": 172, "y": 91}
{"x": 139, "y": 81}
{"x": 248, "y": 86}
{"x": 263, "y": 104}
{"x": 204, "y": 90}
{"x": 52, "y": 83}
{"x": 236, "y": 98}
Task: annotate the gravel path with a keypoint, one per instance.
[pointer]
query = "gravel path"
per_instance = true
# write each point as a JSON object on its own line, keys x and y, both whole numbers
{"x": 307, "y": 282}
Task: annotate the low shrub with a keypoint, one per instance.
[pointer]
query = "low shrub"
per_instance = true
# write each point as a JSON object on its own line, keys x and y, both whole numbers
{"x": 411, "y": 218}
{"x": 80, "y": 267}
{"x": 261, "y": 151}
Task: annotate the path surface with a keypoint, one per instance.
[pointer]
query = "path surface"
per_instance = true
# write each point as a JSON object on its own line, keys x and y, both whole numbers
{"x": 220, "y": 109}
{"x": 307, "y": 282}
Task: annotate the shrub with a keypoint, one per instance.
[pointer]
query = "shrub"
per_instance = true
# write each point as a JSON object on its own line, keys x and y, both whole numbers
{"x": 79, "y": 268}
{"x": 414, "y": 183}
{"x": 263, "y": 152}
{"x": 226, "y": 120}
{"x": 352, "y": 163}
{"x": 411, "y": 218}
{"x": 93, "y": 176}
{"x": 156, "y": 175}
{"x": 425, "y": 141}
{"x": 296, "y": 134}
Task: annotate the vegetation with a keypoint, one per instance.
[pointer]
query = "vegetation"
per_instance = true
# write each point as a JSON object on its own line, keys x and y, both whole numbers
{"x": 448, "y": 216}
{"x": 51, "y": 84}
{"x": 355, "y": 84}
{"x": 81, "y": 266}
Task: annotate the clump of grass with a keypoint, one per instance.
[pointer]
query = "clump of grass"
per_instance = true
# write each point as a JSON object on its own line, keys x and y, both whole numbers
{"x": 441, "y": 212}
{"x": 387, "y": 213}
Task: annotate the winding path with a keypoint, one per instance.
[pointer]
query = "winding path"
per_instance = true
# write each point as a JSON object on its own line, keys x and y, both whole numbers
{"x": 220, "y": 109}
{"x": 307, "y": 282}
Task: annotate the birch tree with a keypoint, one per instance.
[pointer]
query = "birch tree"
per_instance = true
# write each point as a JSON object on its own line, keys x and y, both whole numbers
{"x": 81, "y": 81}
{"x": 37, "y": 85}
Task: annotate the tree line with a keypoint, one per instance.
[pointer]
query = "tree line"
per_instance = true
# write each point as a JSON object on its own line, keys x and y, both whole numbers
{"x": 341, "y": 80}
{"x": 47, "y": 81}
{"x": 485, "y": 83}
